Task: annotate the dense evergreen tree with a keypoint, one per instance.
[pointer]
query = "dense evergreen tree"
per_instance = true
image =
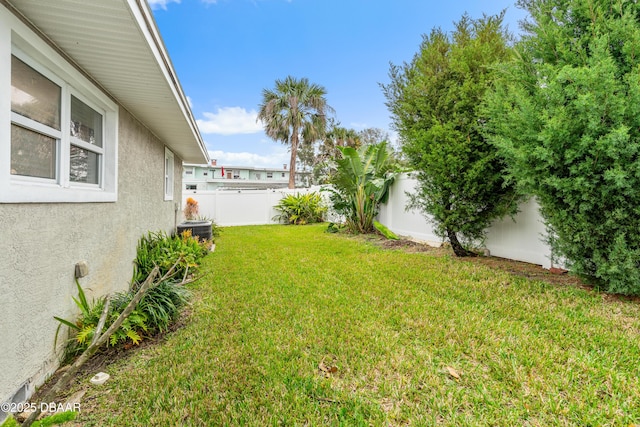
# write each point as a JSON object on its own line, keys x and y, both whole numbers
{"x": 567, "y": 119}
{"x": 435, "y": 102}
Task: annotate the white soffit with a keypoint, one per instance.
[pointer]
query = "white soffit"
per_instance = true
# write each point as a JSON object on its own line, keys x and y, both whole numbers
{"x": 117, "y": 43}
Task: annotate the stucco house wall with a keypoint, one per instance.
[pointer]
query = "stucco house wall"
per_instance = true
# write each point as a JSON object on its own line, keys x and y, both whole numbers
{"x": 52, "y": 225}
{"x": 41, "y": 243}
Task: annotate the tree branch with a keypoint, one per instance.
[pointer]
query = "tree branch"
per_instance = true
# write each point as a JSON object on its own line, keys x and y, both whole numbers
{"x": 97, "y": 343}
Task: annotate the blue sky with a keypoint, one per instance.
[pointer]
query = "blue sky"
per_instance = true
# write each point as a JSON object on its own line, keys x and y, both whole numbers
{"x": 226, "y": 52}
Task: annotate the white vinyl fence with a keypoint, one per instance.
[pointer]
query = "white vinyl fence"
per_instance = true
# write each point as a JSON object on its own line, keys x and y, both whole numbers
{"x": 521, "y": 240}
{"x": 241, "y": 207}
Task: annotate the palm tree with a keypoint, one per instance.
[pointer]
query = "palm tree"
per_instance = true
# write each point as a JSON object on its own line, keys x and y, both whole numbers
{"x": 336, "y": 137}
{"x": 294, "y": 109}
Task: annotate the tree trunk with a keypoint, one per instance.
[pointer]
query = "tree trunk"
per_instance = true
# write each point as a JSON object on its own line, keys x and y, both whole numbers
{"x": 294, "y": 155}
{"x": 457, "y": 247}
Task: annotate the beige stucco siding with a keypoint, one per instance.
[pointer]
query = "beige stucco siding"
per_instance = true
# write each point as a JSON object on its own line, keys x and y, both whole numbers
{"x": 41, "y": 243}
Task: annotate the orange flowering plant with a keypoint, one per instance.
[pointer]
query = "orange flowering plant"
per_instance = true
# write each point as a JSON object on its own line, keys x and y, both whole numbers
{"x": 191, "y": 209}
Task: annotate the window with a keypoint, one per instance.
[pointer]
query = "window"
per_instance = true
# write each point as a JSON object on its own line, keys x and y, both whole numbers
{"x": 236, "y": 174}
{"x": 35, "y": 122}
{"x": 38, "y": 138}
{"x": 257, "y": 176}
{"x": 205, "y": 173}
{"x": 168, "y": 174}
{"x": 283, "y": 174}
{"x": 191, "y": 187}
{"x": 269, "y": 174}
{"x": 188, "y": 172}
{"x": 61, "y": 145}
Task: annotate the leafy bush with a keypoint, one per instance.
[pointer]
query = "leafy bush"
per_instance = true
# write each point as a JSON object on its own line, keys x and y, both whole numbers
{"x": 334, "y": 228}
{"x": 90, "y": 312}
{"x": 159, "y": 306}
{"x": 164, "y": 251}
{"x": 360, "y": 183}
{"x": 162, "y": 303}
{"x": 301, "y": 209}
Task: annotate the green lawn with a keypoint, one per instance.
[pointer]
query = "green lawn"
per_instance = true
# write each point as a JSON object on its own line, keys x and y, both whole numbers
{"x": 294, "y": 326}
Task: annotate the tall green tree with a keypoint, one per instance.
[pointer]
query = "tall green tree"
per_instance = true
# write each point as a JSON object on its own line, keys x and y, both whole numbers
{"x": 435, "y": 103}
{"x": 307, "y": 154}
{"x": 369, "y": 136}
{"x": 336, "y": 136}
{"x": 294, "y": 109}
{"x": 567, "y": 119}
{"x": 328, "y": 150}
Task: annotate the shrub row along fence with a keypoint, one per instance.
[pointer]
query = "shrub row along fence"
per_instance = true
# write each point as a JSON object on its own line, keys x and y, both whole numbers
{"x": 520, "y": 239}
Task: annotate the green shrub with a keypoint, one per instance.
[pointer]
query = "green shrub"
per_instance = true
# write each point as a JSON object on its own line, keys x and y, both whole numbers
{"x": 162, "y": 303}
{"x": 164, "y": 251}
{"x": 334, "y": 228}
{"x": 461, "y": 186}
{"x": 566, "y": 118}
{"x": 90, "y": 312}
{"x": 360, "y": 183}
{"x": 159, "y": 306}
{"x": 301, "y": 209}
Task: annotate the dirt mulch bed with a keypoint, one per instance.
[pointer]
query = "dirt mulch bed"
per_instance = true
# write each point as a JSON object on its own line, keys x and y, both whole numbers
{"x": 518, "y": 268}
{"x": 409, "y": 246}
{"x": 530, "y": 271}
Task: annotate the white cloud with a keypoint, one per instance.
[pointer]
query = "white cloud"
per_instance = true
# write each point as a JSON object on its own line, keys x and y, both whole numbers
{"x": 230, "y": 121}
{"x": 276, "y": 158}
{"x": 161, "y": 4}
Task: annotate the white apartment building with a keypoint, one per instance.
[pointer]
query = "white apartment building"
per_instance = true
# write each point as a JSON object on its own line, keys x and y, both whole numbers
{"x": 209, "y": 177}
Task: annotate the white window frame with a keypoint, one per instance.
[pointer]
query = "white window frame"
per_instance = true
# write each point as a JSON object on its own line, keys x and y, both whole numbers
{"x": 18, "y": 40}
{"x": 168, "y": 174}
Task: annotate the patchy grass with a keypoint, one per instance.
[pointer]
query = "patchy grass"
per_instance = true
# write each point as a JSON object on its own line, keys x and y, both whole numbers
{"x": 294, "y": 326}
